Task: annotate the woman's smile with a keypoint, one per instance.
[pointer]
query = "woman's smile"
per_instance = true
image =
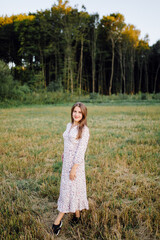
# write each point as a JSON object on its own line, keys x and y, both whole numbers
{"x": 77, "y": 114}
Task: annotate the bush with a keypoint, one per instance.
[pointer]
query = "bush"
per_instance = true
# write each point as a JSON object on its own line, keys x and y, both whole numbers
{"x": 94, "y": 95}
{"x": 156, "y": 96}
{"x": 55, "y": 86}
{"x": 144, "y": 96}
{"x": 6, "y": 80}
{"x": 36, "y": 81}
{"x": 122, "y": 96}
{"x": 33, "y": 79}
{"x": 20, "y": 92}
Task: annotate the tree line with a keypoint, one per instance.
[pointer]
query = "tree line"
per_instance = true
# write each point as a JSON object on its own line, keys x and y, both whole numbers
{"x": 63, "y": 48}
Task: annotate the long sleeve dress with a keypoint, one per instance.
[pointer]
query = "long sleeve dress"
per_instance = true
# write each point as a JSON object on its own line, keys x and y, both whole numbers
{"x": 73, "y": 195}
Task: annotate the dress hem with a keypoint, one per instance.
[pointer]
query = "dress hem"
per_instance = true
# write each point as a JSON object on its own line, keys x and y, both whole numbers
{"x": 73, "y": 211}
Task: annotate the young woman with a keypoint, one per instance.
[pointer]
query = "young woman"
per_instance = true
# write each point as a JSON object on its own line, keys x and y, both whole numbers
{"x": 73, "y": 196}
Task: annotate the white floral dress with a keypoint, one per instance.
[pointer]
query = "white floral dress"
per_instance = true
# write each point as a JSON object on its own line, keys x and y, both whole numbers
{"x": 73, "y": 195}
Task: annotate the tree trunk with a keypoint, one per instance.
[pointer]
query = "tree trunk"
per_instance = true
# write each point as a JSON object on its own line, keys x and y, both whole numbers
{"x": 100, "y": 76}
{"x": 112, "y": 69}
{"x": 81, "y": 64}
{"x": 93, "y": 53}
{"x": 124, "y": 74}
{"x": 56, "y": 67}
{"x": 43, "y": 67}
{"x": 93, "y": 71}
{"x": 49, "y": 79}
{"x": 155, "y": 80}
{"x": 146, "y": 75}
{"x": 121, "y": 69}
{"x": 65, "y": 72}
{"x": 132, "y": 72}
{"x": 140, "y": 77}
{"x": 70, "y": 74}
{"x": 68, "y": 78}
{"x": 80, "y": 68}
{"x": 71, "y": 80}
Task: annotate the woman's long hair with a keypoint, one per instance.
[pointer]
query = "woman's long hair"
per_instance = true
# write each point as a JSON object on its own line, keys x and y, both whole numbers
{"x": 83, "y": 121}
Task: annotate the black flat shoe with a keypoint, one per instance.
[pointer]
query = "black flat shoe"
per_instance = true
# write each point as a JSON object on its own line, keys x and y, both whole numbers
{"x": 56, "y": 228}
{"x": 75, "y": 220}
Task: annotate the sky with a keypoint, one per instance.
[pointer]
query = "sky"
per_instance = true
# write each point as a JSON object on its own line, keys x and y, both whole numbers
{"x": 143, "y": 14}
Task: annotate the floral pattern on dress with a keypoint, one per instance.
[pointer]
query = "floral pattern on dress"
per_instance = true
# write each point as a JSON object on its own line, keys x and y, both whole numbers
{"x": 73, "y": 195}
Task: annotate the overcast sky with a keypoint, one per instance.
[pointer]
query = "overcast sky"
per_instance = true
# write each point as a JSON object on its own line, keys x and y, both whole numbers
{"x": 143, "y": 14}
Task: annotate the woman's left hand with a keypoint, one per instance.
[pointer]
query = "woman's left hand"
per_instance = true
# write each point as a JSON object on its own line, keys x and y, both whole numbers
{"x": 72, "y": 175}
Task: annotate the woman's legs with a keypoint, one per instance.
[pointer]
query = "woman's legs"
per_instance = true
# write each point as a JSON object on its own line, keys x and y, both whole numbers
{"x": 77, "y": 213}
{"x": 76, "y": 218}
{"x": 59, "y": 218}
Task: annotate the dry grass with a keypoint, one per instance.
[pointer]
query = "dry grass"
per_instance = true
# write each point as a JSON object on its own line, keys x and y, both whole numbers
{"x": 122, "y": 170}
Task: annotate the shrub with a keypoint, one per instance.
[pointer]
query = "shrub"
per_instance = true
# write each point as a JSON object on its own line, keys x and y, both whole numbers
{"x": 156, "y": 96}
{"x": 144, "y": 96}
{"x": 23, "y": 75}
{"x": 123, "y": 96}
{"x": 19, "y": 92}
{"x": 94, "y": 96}
{"x": 6, "y": 80}
{"x": 55, "y": 86}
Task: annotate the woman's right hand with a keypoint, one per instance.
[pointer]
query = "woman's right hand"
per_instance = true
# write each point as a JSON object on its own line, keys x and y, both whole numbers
{"x": 62, "y": 157}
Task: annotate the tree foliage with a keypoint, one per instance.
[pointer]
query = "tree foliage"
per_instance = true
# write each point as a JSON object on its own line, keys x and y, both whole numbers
{"x": 65, "y": 49}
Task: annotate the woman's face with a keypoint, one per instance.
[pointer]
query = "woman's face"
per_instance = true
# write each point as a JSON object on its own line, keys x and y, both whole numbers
{"x": 77, "y": 114}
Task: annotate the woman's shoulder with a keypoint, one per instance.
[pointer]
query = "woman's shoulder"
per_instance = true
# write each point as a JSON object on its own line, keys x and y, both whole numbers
{"x": 69, "y": 124}
{"x": 86, "y": 129}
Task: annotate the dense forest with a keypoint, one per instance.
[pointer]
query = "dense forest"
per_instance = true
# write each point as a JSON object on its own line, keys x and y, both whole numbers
{"x": 64, "y": 49}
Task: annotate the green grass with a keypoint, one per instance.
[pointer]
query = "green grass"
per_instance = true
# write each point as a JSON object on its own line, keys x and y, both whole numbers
{"x": 122, "y": 172}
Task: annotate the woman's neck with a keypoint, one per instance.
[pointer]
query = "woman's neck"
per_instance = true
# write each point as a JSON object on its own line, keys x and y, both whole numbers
{"x": 75, "y": 123}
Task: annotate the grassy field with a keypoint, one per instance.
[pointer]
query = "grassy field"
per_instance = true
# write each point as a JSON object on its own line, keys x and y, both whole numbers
{"x": 122, "y": 171}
